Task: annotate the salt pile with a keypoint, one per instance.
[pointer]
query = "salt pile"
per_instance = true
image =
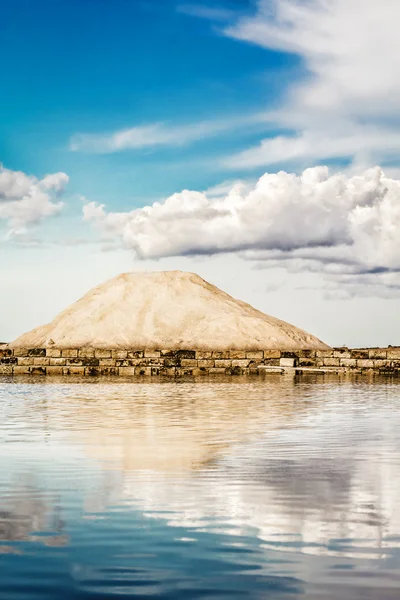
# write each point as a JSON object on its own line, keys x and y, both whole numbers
{"x": 165, "y": 310}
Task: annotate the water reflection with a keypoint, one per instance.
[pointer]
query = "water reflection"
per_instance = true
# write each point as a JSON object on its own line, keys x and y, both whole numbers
{"x": 304, "y": 466}
{"x": 311, "y": 466}
{"x": 29, "y": 513}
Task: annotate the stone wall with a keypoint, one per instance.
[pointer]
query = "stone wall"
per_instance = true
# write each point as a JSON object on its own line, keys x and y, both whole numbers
{"x": 178, "y": 363}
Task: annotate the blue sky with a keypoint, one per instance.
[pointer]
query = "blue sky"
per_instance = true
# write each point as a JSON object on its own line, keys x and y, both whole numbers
{"x": 85, "y": 66}
{"x": 255, "y": 142}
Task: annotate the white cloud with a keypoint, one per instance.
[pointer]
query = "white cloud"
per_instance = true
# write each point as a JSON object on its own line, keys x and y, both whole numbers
{"x": 335, "y": 224}
{"x": 26, "y": 200}
{"x": 347, "y": 105}
{"x": 161, "y": 134}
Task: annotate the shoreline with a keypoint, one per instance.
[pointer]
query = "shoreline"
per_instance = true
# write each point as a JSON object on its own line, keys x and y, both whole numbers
{"x": 128, "y": 363}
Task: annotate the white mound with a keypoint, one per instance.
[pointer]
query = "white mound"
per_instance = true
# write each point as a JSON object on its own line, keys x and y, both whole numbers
{"x": 165, "y": 310}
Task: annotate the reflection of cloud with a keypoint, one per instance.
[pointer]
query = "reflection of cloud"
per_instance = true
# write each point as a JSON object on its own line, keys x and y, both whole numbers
{"x": 27, "y": 514}
{"x": 305, "y": 471}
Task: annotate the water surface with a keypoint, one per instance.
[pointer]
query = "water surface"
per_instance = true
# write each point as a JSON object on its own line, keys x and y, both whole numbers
{"x": 268, "y": 488}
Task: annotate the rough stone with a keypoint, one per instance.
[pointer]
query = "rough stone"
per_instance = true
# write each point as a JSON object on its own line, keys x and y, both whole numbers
{"x": 188, "y": 362}
{"x": 41, "y": 361}
{"x": 365, "y": 364}
{"x": 69, "y": 353}
{"x": 102, "y": 353}
{"x": 242, "y": 363}
{"x": 126, "y": 371}
{"x": 258, "y": 354}
{"x": 287, "y": 362}
{"x": 54, "y": 370}
{"x": 223, "y": 362}
{"x": 21, "y": 370}
{"x": 53, "y": 352}
{"x": 86, "y": 352}
{"x": 332, "y": 362}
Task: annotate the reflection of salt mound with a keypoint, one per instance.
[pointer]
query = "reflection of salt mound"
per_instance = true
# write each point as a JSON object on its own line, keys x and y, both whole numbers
{"x": 165, "y": 310}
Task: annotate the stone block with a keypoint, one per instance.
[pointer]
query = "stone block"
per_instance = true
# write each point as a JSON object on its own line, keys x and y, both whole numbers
{"x": 126, "y": 371}
{"x": 53, "y": 352}
{"x": 109, "y": 371}
{"x": 393, "y": 353}
{"x": 379, "y": 353}
{"x": 223, "y": 362}
{"x": 332, "y": 362}
{"x": 187, "y": 372}
{"x": 107, "y": 362}
{"x": 188, "y": 362}
{"x": 20, "y": 351}
{"x": 74, "y": 362}
{"x": 24, "y": 361}
{"x": 92, "y": 371}
{"x": 237, "y": 354}
{"x": 272, "y": 353}
{"x": 287, "y": 362}
{"x": 172, "y": 361}
{"x": 9, "y": 360}
{"x": 324, "y": 353}
{"x": 75, "y": 370}
{"x": 54, "y": 370}
{"x": 152, "y": 353}
{"x": 199, "y": 372}
{"x": 349, "y": 363}
{"x": 168, "y": 371}
{"x": 128, "y": 362}
{"x": 135, "y": 354}
{"x": 38, "y": 371}
{"x": 206, "y": 363}
{"x": 41, "y": 361}
{"x": 6, "y": 369}
{"x": 89, "y": 361}
{"x": 307, "y": 362}
{"x": 203, "y": 355}
{"x": 255, "y": 355}
{"x": 365, "y": 364}
{"x": 220, "y": 355}
{"x": 57, "y": 362}
{"x": 242, "y": 363}
{"x": 381, "y": 363}
{"x": 19, "y": 370}
{"x": 341, "y": 353}
{"x": 119, "y": 354}
{"x": 37, "y": 352}
{"x": 186, "y": 354}
{"x": 307, "y": 353}
{"x": 86, "y": 352}
{"x": 102, "y": 353}
{"x": 143, "y": 371}
{"x": 272, "y": 362}
{"x": 217, "y": 371}
{"x": 360, "y": 353}
{"x": 69, "y": 353}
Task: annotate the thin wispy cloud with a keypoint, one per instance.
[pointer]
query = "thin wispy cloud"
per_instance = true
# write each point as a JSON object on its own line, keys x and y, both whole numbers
{"x": 163, "y": 134}
{"x": 347, "y": 105}
{"x": 207, "y": 12}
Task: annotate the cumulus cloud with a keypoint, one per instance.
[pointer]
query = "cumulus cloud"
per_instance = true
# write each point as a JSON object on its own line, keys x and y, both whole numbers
{"x": 339, "y": 224}
{"x": 26, "y": 200}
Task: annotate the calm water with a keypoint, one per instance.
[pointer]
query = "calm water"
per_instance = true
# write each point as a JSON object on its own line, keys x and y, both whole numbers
{"x": 279, "y": 488}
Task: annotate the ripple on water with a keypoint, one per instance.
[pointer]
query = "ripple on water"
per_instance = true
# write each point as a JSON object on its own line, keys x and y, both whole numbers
{"x": 283, "y": 487}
